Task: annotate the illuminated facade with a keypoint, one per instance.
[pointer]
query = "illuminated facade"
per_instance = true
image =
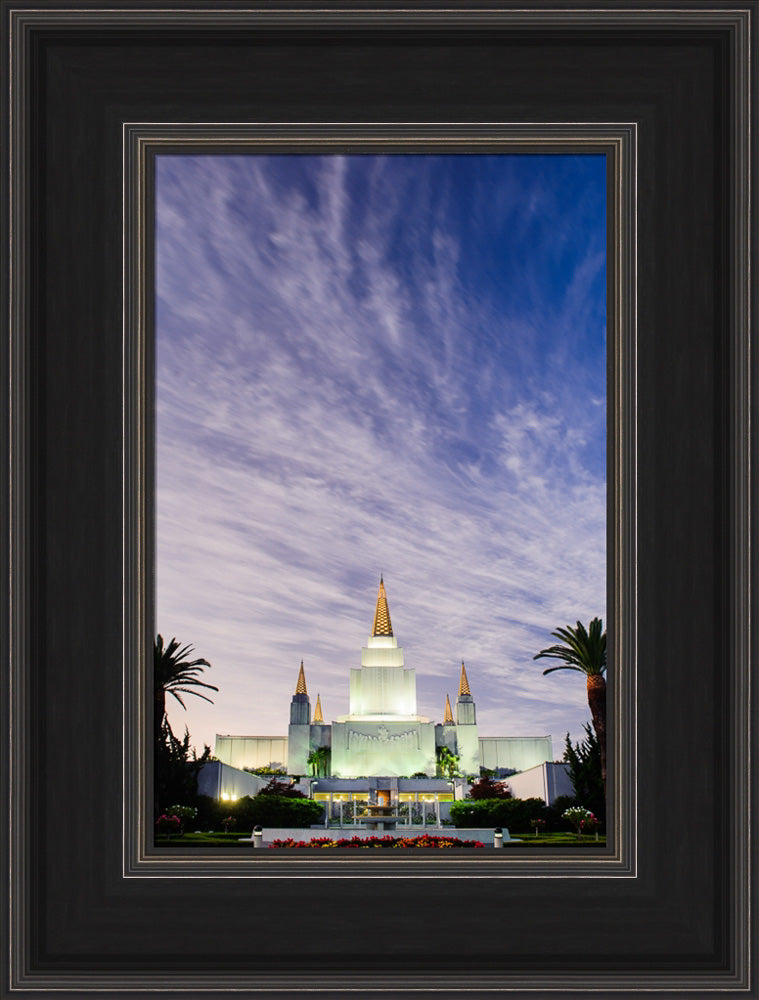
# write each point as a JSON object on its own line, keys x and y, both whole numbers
{"x": 382, "y": 735}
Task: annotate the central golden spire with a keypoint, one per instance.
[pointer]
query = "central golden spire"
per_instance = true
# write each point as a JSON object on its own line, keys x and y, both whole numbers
{"x": 382, "y": 624}
{"x": 300, "y": 687}
{"x": 464, "y": 682}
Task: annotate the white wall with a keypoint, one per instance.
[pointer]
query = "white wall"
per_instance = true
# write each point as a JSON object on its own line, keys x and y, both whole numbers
{"x": 468, "y": 749}
{"x": 383, "y": 690}
{"x": 252, "y": 751}
{"x": 219, "y": 780}
{"x": 382, "y": 748}
{"x": 547, "y": 781}
{"x": 298, "y": 749}
{"x": 519, "y": 752}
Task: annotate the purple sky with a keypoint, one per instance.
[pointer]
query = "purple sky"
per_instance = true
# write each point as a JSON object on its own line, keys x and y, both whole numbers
{"x": 375, "y": 364}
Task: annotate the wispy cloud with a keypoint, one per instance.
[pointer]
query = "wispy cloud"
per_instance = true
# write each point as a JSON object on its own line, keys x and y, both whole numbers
{"x": 375, "y": 364}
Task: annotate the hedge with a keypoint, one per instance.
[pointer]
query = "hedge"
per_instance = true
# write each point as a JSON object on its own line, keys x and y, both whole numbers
{"x": 277, "y": 810}
{"x": 514, "y": 814}
{"x": 263, "y": 810}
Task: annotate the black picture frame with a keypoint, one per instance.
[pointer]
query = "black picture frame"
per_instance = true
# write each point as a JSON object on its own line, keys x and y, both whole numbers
{"x": 143, "y": 144}
{"x": 90, "y": 910}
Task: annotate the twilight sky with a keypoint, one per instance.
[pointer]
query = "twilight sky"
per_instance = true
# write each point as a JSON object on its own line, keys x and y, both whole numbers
{"x": 374, "y": 364}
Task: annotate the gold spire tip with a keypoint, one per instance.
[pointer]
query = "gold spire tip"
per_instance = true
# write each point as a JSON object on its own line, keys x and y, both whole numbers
{"x": 448, "y": 717}
{"x": 300, "y": 687}
{"x": 464, "y": 682}
{"x": 382, "y": 624}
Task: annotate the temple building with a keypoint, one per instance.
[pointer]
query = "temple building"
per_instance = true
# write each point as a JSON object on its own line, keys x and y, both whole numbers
{"x": 383, "y": 734}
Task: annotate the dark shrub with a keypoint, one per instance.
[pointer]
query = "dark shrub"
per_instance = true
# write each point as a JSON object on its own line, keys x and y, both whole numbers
{"x": 584, "y": 764}
{"x": 276, "y": 810}
{"x": 263, "y": 810}
{"x": 209, "y": 814}
{"x": 176, "y": 769}
{"x": 283, "y": 788}
{"x": 487, "y": 788}
{"x": 514, "y": 814}
{"x": 555, "y": 813}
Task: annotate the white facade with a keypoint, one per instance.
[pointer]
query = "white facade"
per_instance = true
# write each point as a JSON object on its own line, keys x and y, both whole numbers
{"x": 382, "y": 689}
{"x": 366, "y": 747}
{"x": 468, "y": 749}
{"x": 547, "y": 781}
{"x": 517, "y": 753}
{"x": 382, "y": 735}
{"x": 223, "y": 782}
{"x": 252, "y": 751}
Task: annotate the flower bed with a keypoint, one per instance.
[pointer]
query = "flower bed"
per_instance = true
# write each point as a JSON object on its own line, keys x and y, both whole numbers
{"x": 425, "y": 840}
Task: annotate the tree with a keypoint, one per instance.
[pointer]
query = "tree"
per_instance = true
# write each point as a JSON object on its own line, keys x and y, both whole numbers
{"x": 487, "y": 788}
{"x": 177, "y": 769}
{"x": 319, "y": 761}
{"x": 174, "y": 674}
{"x": 284, "y": 788}
{"x": 584, "y": 765}
{"x": 585, "y": 651}
{"x": 447, "y": 762}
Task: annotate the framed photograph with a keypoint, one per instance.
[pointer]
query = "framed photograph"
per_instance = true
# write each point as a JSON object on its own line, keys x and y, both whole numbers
{"x": 100, "y": 101}
{"x": 331, "y": 357}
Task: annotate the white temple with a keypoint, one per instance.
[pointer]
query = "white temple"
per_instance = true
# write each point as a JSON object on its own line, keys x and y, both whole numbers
{"x": 382, "y": 735}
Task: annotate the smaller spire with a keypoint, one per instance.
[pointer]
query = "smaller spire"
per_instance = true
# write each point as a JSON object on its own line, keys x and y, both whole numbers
{"x": 448, "y": 717}
{"x": 318, "y": 711}
{"x": 464, "y": 682}
{"x": 300, "y": 687}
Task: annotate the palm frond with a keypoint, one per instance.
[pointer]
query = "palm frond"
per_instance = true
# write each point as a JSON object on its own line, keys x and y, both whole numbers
{"x": 550, "y": 670}
{"x": 174, "y": 672}
{"x": 172, "y": 691}
{"x": 187, "y": 691}
{"x": 187, "y": 678}
{"x": 584, "y": 649}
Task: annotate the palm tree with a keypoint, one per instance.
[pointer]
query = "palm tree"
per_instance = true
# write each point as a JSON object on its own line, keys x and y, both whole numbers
{"x": 175, "y": 674}
{"x": 447, "y": 763}
{"x": 319, "y": 762}
{"x": 585, "y": 651}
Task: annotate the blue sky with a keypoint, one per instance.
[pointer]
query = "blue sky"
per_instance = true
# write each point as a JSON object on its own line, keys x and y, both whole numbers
{"x": 374, "y": 364}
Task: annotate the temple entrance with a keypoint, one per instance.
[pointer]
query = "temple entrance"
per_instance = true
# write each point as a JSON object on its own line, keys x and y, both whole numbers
{"x": 380, "y": 814}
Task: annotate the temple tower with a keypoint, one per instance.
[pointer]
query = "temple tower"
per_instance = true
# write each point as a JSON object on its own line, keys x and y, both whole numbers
{"x": 299, "y": 730}
{"x": 382, "y": 734}
{"x": 445, "y": 734}
{"x": 321, "y": 733}
{"x": 467, "y": 741}
{"x": 382, "y": 688}
{"x": 318, "y": 717}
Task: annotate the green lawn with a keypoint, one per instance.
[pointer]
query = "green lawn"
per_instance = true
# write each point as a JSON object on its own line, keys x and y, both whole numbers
{"x": 204, "y": 840}
{"x": 555, "y": 839}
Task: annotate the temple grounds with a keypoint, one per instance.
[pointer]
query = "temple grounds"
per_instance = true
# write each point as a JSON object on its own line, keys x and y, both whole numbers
{"x": 522, "y": 842}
